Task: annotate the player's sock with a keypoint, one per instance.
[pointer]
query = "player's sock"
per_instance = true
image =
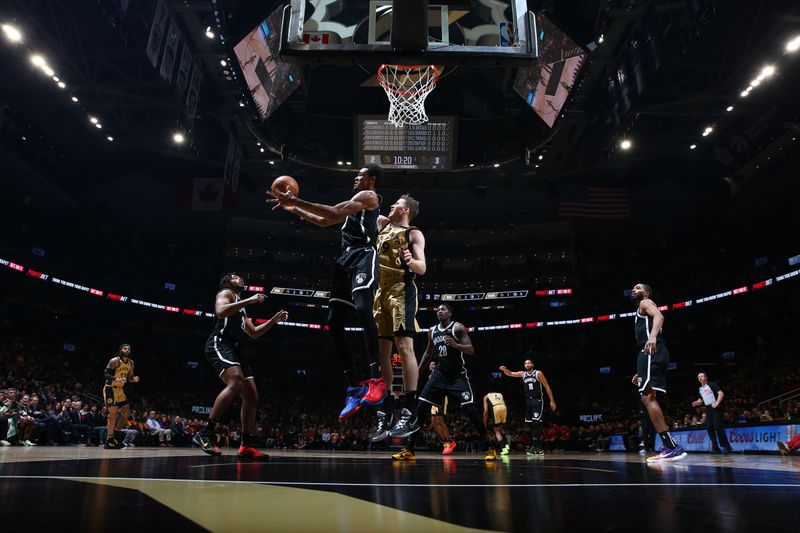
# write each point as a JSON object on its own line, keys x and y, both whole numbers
{"x": 666, "y": 439}
{"x": 210, "y": 427}
{"x": 410, "y": 400}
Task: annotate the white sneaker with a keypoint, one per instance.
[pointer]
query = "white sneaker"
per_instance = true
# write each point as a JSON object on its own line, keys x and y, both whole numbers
{"x": 4, "y": 442}
{"x": 131, "y": 445}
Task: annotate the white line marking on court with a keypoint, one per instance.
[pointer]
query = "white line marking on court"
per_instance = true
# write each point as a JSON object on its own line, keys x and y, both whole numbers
{"x": 433, "y": 485}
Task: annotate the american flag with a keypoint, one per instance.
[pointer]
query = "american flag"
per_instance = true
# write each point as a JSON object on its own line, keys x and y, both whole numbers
{"x": 580, "y": 201}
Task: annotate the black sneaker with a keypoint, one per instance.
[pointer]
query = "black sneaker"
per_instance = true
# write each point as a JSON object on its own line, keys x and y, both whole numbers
{"x": 206, "y": 443}
{"x": 407, "y": 425}
{"x": 112, "y": 444}
{"x": 385, "y": 423}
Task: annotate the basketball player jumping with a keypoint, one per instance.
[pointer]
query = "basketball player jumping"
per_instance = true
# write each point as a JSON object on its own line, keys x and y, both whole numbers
{"x": 651, "y": 365}
{"x": 448, "y": 341}
{"x": 223, "y": 352}
{"x": 535, "y": 384}
{"x": 355, "y": 278}
{"x": 118, "y": 372}
{"x": 401, "y": 253}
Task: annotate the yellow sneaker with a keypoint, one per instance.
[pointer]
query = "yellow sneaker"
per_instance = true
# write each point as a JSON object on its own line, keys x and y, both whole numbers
{"x": 491, "y": 455}
{"x": 404, "y": 455}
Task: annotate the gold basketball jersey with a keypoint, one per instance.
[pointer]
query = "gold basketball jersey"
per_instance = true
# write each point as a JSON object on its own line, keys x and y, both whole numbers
{"x": 391, "y": 243}
{"x": 122, "y": 371}
{"x": 495, "y": 399}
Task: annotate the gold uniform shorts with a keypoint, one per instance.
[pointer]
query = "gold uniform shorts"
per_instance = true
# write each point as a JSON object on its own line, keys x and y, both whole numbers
{"x": 395, "y": 308}
{"x": 497, "y": 415}
{"x": 114, "y": 396}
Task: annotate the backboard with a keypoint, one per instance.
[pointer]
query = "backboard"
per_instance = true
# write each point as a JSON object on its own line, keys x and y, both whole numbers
{"x": 460, "y": 32}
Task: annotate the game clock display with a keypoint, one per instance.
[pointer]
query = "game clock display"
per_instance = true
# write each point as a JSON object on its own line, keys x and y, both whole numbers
{"x": 428, "y": 146}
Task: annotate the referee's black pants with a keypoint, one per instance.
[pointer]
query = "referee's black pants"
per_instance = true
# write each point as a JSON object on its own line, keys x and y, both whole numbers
{"x": 716, "y": 428}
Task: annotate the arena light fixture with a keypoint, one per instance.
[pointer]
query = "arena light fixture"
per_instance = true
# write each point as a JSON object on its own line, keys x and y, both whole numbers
{"x": 625, "y": 144}
{"x": 471, "y": 165}
{"x": 755, "y": 83}
{"x": 62, "y": 85}
{"x": 768, "y": 71}
{"x": 47, "y": 70}
{"x": 223, "y": 63}
{"x": 744, "y": 93}
{"x": 261, "y": 150}
{"x": 38, "y": 61}
{"x": 56, "y": 79}
{"x": 349, "y": 162}
{"x": 340, "y": 163}
{"x": 12, "y": 33}
{"x": 496, "y": 165}
{"x": 729, "y": 108}
{"x": 93, "y": 120}
{"x": 541, "y": 157}
{"x": 110, "y": 138}
{"x": 793, "y": 45}
{"x": 209, "y": 33}
{"x": 178, "y": 138}
{"x": 692, "y": 147}
{"x": 98, "y": 126}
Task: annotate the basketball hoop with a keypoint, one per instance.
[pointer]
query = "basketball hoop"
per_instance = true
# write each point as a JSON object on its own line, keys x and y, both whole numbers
{"x": 407, "y": 87}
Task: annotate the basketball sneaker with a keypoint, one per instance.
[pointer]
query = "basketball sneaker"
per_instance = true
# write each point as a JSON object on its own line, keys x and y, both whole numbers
{"x": 206, "y": 443}
{"x": 506, "y": 450}
{"x": 407, "y": 425}
{"x": 675, "y": 454}
{"x": 448, "y": 448}
{"x": 530, "y": 451}
{"x": 249, "y": 452}
{"x": 352, "y": 401}
{"x": 385, "y": 423}
{"x": 491, "y": 455}
{"x": 376, "y": 392}
{"x": 404, "y": 455}
{"x": 112, "y": 444}
{"x": 783, "y": 448}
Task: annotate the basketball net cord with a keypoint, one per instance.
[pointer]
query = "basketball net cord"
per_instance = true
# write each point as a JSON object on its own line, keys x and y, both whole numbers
{"x": 407, "y": 87}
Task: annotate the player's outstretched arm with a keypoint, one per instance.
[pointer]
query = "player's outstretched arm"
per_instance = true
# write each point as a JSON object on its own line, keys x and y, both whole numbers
{"x": 328, "y": 214}
{"x": 255, "y": 332}
{"x": 511, "y": 374}
{"x": 226, "y": 304}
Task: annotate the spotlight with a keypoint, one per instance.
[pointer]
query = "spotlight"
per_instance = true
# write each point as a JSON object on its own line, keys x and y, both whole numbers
{"x": 625, "y": 144}
{"x": 349, "y": 162}
{"x": 744, "y": 93}
{"x": 729, "y": 108}
{"x": 692, "y": 147}
{"x": 768, "y": 71}
{"x": 223, "y": 63}
{"x": 241, "y": 103}
{"x": 98, "y": 126}
{"x": 471, "y": 165}
{"x": 47, "y": 70}
{"x": 93, "y": 120}
{"x": 271, "y": 162}
{"x": 56, "y": 79}
{"x": 178, "y": 138}
{"x": 209, "y": 33}
{"x": 38, "y": 60}
{"x": 541, "y": 157}
{"x": 12, "y": 33}
{"x": 62, "y": 85}
{"x": 755, "y": 83}
{"x": 600, "y": 39}
{"x": 340, "y": 162}
{"x": 110, "y": 138}
{"x": 791, "y": 46}
{"x": 75, "y": 99}
{"x": 496, "y": 165}
{"x": 708, "y": 130}
{"x": 261, "y": 150}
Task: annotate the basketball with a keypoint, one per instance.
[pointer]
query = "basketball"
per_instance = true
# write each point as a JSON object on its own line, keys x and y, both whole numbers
{"x": 283, "y": 184}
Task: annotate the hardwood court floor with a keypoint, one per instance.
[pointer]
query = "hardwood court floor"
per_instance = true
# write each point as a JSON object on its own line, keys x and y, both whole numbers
{"x": 90, "y": 489}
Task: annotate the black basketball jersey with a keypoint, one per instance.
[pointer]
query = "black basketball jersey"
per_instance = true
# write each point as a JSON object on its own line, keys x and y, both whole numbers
{"x": 361, "y": 229}
{"x": 533, "y": 387}
{"x": 642, "y": 326}
{"x": 448, "y": 361}
{"x": 231, "y": 329}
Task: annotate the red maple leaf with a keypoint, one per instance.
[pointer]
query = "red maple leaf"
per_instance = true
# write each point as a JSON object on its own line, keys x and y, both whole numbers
{"x": 208, "y": 193}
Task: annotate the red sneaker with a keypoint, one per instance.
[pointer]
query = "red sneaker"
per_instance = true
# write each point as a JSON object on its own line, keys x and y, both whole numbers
{"x": 449, "y": 447}
{"x": 248, "y": 452}
{"x": 376, "y": 392}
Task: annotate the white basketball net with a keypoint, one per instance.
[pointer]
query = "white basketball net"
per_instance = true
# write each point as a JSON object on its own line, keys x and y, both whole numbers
{"x": 407, "y": 87}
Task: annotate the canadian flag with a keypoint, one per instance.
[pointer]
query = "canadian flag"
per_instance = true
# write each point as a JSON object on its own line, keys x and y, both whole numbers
{"x": 201, "y": 194}
{"x": 317, "y": 37}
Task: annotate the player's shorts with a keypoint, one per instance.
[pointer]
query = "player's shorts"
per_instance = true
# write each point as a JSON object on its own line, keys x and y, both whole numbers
{"x": 497, "y": 415}
{"x": 534, "y": 410}
{"x": 395, "y": 307}
{"x": 440, "y": 386}
{"x": 652, "y": 369}
{"x": 435, "y": 411}
{"x": 357, "y": 269}
{"x": 224, "y": 354}
{"x": 114, "y": 396}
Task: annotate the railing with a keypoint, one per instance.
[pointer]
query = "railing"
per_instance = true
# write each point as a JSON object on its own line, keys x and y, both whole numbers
{"x": 794, "y": 393}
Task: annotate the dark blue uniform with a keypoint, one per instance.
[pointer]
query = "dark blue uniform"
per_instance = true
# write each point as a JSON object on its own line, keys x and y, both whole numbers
{"x": 222, "y": 346}
{"x": 450, "y": 376}
{"x": 652, "y": 369}
{"x": 534, "y": 397}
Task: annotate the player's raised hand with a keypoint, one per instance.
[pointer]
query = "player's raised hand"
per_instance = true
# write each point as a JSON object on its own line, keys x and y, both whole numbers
{"x": 503, "y": 368}
{"x": 282, "y": 200}
{"x": 257, "y": 298}
{"x": 407, "y": 256}
{"x": 280, "y": 316}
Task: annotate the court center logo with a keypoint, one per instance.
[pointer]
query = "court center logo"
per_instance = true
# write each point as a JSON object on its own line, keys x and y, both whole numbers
{"x": 361, "y": 277}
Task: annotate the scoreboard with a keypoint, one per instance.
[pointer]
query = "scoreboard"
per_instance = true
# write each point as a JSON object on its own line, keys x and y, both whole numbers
{"x": 428, "y": 146}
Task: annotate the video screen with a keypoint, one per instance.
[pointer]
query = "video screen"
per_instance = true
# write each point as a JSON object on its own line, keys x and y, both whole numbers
{"x": 546, "y": 86}
{"x": 269, "y": 79}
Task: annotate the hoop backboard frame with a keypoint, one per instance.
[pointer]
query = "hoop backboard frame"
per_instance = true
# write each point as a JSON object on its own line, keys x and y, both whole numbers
{"x": 522, "y": 53}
